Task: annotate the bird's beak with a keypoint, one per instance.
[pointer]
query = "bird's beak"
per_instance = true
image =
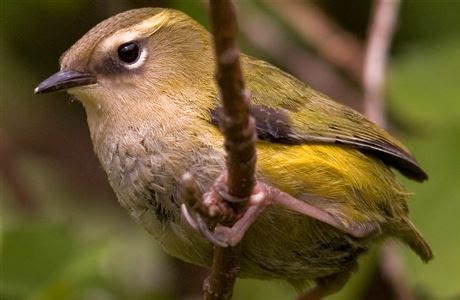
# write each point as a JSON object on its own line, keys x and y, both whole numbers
{"x": 63, "y": 80}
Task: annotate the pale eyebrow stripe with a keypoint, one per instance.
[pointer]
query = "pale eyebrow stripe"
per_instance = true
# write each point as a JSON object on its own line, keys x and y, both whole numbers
{"x": 144, "y": 29}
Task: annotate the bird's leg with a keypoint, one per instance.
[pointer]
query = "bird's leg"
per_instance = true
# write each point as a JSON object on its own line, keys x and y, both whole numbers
{"x": 276, "y": 196}
{"x": 233, "y": 235}
{"x": 217, "y": 204}
{"x": 215, "y": 207}
{"x": 264, "y": 195}
{"x": 328, "y": 285}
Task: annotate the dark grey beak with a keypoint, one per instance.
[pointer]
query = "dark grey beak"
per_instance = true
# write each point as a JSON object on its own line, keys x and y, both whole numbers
{"x": 64, "y": 80}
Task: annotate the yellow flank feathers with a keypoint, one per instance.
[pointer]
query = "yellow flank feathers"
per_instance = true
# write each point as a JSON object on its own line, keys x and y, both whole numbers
{"x": 345, "y": 179}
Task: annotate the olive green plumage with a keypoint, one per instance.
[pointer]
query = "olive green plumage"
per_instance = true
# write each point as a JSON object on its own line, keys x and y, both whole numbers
{"x": 154, "y": 119}
{"x": 315, "y": 118}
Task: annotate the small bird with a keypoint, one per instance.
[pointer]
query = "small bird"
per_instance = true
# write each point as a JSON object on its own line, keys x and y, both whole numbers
{"x": 145, "y": 78}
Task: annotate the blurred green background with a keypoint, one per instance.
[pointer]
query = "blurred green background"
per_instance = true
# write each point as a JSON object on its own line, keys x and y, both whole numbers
{"x": 63, "y": 235}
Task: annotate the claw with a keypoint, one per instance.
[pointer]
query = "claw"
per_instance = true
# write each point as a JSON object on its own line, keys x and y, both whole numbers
{"x": 224, "y": 236}
{"x": 200, "y": 225}
{"x": 229, "y": 198}
{"x": 188, "y": 217}
{"x": 220, "y": 187}
{"x": 208, "y": 234}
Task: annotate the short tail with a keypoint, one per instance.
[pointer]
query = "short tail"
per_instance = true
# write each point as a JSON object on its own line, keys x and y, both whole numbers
{"x": 414, "y": 239}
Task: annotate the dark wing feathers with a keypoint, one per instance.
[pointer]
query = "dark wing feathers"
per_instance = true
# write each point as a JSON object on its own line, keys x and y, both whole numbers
{"x": 388, "y": 153}
{"x": 271, "y": 124}
{"x": 288, "y": 112}
{"x": 342, "y": 125}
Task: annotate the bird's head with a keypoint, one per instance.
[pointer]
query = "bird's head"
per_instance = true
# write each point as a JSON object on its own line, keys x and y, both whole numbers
{"x": 139, "y": 58}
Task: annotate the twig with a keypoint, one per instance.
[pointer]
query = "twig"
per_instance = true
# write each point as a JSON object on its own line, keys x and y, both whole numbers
{"x": 239, "y": 131}
{"x": 388, "y": 280}
{"x": 390, "y": 268}
{"x": 380, "y": 35}
{"x": 317, "y": 29}
{"x": 238, "y": 128}
{"x": 308, "y": 67}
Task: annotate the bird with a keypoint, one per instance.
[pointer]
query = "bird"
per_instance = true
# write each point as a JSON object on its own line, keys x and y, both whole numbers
{"x": 145, "y": 79}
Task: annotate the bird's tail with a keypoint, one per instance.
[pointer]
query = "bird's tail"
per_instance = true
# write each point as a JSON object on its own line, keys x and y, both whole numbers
{"x": 414, "y": 239}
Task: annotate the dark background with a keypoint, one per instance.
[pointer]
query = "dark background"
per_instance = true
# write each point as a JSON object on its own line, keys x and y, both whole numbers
{"x": 64, "y": 235}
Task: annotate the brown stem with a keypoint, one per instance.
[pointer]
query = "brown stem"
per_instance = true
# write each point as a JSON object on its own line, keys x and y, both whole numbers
{"x": 263, "y": 34}
{"x": 332, "y": 42}
{"x": 380, "y": 36}
{"x": 237, "y": 126}
{"x": 389, "y": 281}
{"x": 225, "y": 266}
{"x": 239, "y": 132}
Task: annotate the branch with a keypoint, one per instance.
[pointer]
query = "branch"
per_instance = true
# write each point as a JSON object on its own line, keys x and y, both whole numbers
{"x": 308, "y": 67}
{"x": 239, "y": 132}
{"x": 380, "y": 36}
{"x": 317, "y": 29}
{"x": 390, "y": 273}
{"x": 238, "y": 128}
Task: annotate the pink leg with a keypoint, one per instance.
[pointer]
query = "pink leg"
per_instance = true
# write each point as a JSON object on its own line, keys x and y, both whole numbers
{"x": 263, "y": 195}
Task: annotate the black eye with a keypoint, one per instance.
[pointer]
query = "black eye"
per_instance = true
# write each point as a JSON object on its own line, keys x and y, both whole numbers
{"x": 129, "y": 52}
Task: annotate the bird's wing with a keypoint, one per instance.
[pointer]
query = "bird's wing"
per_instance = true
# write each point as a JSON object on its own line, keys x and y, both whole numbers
{"x": 288, "y": 112}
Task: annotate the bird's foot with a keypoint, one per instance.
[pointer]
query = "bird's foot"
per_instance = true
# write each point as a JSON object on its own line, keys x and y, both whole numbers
{"x": 217, "y": 209}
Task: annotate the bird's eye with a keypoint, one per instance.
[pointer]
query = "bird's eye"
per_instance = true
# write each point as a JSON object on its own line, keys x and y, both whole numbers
{"x": 129, "y": 52}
